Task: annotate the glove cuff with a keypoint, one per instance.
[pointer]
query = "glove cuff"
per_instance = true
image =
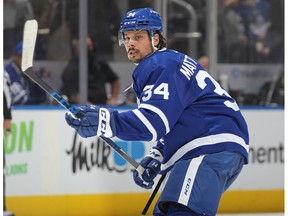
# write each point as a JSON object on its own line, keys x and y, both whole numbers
{"x": 155, "y": 154}
{"x": 106, "y": 127}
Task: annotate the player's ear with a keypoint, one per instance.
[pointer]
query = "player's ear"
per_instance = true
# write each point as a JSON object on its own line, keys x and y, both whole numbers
{"x": 156, "y": 39}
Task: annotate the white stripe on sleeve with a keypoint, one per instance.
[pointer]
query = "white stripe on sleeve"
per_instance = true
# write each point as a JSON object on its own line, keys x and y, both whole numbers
{"x": 146, "y": 123}
{"x": 159, "y": 113}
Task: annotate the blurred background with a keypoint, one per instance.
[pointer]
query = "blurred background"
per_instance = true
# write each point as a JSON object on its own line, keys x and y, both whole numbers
{"x": 51, "y": 171}
{"x": 240, "y": 42}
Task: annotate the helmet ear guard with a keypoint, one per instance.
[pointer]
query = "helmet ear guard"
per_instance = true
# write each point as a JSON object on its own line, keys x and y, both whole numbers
{"x": 140, "y": 19}
{"x": 121, "y": 39}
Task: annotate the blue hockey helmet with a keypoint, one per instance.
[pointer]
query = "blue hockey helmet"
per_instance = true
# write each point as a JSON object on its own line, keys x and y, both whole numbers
{"x": 18, "y": 49}
{"x": 140, "y": 19}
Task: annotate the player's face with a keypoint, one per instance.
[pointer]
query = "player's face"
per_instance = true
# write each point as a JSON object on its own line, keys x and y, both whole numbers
{"x": 138, "y": 45}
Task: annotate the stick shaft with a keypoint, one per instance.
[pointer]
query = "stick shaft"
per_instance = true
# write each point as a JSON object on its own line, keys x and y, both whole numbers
{"x": 152, "y": 196}
{"x": 123, "y": 154}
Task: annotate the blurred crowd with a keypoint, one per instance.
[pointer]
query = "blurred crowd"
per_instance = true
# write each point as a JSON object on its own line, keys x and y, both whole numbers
{"x": 249, "y": 31}
{"x": 58, "y": 25}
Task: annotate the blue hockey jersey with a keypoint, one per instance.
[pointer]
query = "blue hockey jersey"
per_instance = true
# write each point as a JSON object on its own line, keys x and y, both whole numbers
{"x": 183, "y": 108}
{"x": 23, "y": 90}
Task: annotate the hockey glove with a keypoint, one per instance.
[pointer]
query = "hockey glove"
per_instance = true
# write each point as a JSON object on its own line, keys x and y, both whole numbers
{"x": 95, "y": 121}
{"x": 151, "y": 164}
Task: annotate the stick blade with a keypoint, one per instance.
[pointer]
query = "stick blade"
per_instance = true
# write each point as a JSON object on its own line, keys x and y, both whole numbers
{"x": 29, "y": 41}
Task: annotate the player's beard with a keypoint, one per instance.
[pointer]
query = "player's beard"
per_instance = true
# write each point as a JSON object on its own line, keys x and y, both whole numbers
{"x": 134, "y": 55}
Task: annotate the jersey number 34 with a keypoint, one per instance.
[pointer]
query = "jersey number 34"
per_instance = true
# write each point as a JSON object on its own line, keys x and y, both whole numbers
{"x": 162, "y": 89}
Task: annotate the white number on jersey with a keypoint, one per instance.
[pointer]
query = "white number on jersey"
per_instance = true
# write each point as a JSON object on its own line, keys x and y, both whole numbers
{"x": 162, "y": 89}
{"x": 200, "y": 77}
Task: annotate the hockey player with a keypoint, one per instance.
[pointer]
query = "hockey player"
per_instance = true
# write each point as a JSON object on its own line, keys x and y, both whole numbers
{"x": 202, "y": 138}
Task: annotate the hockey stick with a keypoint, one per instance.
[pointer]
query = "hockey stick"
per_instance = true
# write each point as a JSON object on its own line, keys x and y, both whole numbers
{"x": 152, "y": 196}
{"x": 29, "y": 40}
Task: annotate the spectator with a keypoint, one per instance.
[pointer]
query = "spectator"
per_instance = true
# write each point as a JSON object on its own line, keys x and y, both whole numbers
{"x": 233, "y": 42}
{"x": 102, "y": 25}
{"x": 257, "y": 21}
{"x": 53, "y": 40}
{"x": 23, "y": 90}
{"x": 7, "y": 129}
{"x": 276, "y": 32}
{"x": 99, "y": 73}
{"x": 16, "y": 12}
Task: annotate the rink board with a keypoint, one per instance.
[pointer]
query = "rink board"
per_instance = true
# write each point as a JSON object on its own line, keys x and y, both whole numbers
{"x": 133, "y": 204}
{"x": 52, "y": 171}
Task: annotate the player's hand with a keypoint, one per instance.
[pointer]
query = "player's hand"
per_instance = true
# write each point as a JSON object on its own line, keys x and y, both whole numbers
{"x": 151, "y": 164}
{"x": 7, "y": 127}
{"x": 88, "y": 124}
